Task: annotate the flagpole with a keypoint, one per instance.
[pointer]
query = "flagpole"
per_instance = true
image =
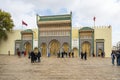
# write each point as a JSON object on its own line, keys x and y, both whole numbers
{"x": 94, "y": 18}
{"x": 94, "y": 23}
{"x": 22, "y": 25}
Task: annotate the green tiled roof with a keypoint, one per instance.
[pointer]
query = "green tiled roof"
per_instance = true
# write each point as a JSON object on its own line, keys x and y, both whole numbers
{"x": 27, "y": 31}
{"x": 54, "y": 18}
{"x": 86, "y": 29}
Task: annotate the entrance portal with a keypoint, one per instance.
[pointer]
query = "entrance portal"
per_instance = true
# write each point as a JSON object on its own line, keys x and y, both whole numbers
{"x": 86, "y": 47}
{"x": 44, "y": 49}
{"x": 28, "y": 47}
{"x": 65, "y": 47}
{"x": 75, "y": 52}
{"x": 54, "y": 47}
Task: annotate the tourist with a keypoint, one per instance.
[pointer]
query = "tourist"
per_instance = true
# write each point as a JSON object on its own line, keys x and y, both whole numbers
{"x": 32, "y": 57}
{"x": 24, "y": 53}
{"x": 102, "y": 54}
{"x": 81, "y": 55}
{"x": 62, "y": 55}
{"x": 72, "y": 54}
{"x": 38, "y": 56}
{"x": 65, "y": 53}
{"x": 69, "y": 54}
{"x": 113, "y": 57}
{"x": 93, "y": 54}
{"x": 85, "y": 55}
{"x": 118, "y": 58}
{"x": 18, "y": 52}
{"x": 35, "y": 55}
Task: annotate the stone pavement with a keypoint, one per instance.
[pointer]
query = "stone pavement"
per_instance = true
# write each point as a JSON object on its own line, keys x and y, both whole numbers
{"x": 14, "y": 68}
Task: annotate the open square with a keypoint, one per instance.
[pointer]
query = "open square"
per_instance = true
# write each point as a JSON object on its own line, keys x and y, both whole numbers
{"x": 97, "y": 68}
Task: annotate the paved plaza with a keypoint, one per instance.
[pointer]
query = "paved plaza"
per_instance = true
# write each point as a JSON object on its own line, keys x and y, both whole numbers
{"x": 14, "y": 68}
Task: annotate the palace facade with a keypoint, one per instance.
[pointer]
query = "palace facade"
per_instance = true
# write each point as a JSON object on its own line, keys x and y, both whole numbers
{"x": 56, "y": 34}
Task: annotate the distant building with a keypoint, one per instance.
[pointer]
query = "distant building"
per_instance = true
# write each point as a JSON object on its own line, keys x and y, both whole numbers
{"x": 56, "y": 34}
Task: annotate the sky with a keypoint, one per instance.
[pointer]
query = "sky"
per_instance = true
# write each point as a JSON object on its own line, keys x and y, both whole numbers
{"x": 107, "y": 12}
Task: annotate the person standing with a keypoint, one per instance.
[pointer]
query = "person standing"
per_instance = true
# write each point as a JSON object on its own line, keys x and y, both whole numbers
{"x": 72, "y": 54}
{"x": 113, "y": 57}
{"x": 85, "y": 55}
{"x": 39, "y": 55}
{"x": 32, "y": 56}
{"x": 69, "y": 54}
{"x": 18, "y": 52}
{"x": 81, "y": 55}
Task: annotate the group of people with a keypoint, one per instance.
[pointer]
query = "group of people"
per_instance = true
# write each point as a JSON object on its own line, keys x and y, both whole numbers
{"x": 65, "y": 54}
{"x": 23, "y": 53}
{"x": 84, "y": 55}
{"x": 35, "y": 55}
{"x": 115, "y": 55}
{"x": 102, "y": 54}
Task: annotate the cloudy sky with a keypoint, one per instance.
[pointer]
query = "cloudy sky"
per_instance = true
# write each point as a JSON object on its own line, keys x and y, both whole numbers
{"x": 107, "y": 12}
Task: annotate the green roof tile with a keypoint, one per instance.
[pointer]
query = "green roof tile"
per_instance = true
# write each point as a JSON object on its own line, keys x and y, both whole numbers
{"x": 86, "y": 29}
{"x": 55, "y": 17}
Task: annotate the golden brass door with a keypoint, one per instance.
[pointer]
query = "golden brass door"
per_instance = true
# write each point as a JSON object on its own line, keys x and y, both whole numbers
{"x": 44, "y": 49}
{"x": 75, "y": 50}
{"x": 65, "y": 47}
{"x": 27, "y": 47}
{"x": 54, "y": 47}
{"x": 86, "y": 48}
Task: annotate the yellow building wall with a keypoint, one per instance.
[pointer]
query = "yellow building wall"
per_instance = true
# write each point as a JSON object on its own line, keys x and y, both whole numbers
{"x": 35, "y": 33}
{"x": 75, "y": 33}
{"x": 105, "y": 33}
{"x": 9, "y": 44}
{"x": 99, "y": 33}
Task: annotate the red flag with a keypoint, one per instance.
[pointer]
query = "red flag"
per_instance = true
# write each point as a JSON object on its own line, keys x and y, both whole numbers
{"x": 94, "y": 18}
{"x": 24, "y": 23}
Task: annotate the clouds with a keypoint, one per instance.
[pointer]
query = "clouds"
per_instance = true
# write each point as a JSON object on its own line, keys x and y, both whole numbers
{"x": 83, "y": 11}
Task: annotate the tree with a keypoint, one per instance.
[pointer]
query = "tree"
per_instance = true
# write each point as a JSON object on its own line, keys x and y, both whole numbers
{"x": 6, "y": 24}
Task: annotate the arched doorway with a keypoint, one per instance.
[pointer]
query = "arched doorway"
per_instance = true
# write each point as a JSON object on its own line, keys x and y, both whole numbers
{"x": 54, "y": 47}
{"x": 43, "y": 49}
{"x": 65, "y": 47}
{"x": 75, "y": 50}
{"x": 86, "y": 47}
{"x": 28, "y": 47}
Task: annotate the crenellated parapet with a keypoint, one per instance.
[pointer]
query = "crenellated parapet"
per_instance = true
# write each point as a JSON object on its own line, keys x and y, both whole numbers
{"x": 102, "y": 27}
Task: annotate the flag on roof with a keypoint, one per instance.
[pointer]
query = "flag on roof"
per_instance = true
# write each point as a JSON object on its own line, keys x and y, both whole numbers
{"x": 24, "y": 23}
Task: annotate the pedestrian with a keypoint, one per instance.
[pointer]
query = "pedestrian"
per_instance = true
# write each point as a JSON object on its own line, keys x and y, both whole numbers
{"x": 18, "y": 52}
{"x": 32, "y": 56}
{"x": 81, "y": 55}
{"x": 93, "y": 54}
{"x": 72, "y": 54}
{"x": 24, "y": 53}
{"x": 62, "y": 54}
{"x": 39, "y": 56}
{"x": 85, "y": 55}
{"x": 102, "y": 54}
{"x": 65, "y": 54}
{"x": 69, "y": 54}
{"x": 36, "y": 54}
{"x": 118, "y": 58}
{"x": 113, "y": 57}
